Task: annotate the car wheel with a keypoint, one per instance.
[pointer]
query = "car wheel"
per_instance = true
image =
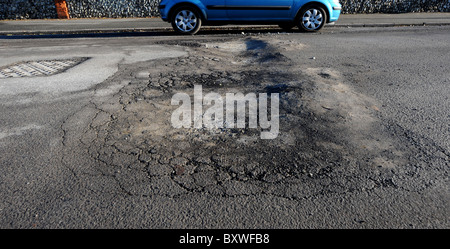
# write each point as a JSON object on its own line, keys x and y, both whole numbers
{"x": 312, "y": 18}
{"x": 186, "y": 20}
{"x": 286, "y": 26}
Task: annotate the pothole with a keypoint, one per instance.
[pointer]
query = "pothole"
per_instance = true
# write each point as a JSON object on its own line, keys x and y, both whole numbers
{"x": 319, "y": 147}
{"x": 39, "y": 67}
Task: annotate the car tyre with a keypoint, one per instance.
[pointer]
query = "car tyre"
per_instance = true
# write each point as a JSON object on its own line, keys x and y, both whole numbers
{"x": 312, "y": 18}
{"x": 186, "y": 20}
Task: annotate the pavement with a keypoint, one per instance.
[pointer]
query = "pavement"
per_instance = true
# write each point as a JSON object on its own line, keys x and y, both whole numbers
{"x": 83, "y": 26}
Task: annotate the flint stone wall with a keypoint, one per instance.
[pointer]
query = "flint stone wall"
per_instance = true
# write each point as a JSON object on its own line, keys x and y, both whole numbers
{"x": 394, "y": 6}
{"x": 27, "y": 9}
{"x": 112, "y": 8}
{"x": 45, "y": 9}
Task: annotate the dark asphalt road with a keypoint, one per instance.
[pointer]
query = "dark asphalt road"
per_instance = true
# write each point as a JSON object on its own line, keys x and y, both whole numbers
{"x": 156, "y": 24}
{"x": 381, "y": 93}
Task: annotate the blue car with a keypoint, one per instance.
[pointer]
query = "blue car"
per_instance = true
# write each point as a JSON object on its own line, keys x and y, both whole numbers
{"x": 187, "y": 16}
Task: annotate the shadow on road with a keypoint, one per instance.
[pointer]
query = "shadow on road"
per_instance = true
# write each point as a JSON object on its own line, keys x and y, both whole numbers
{"x": 141, "y": 33}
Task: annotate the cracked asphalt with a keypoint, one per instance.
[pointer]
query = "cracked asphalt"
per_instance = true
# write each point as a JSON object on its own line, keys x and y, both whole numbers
{"x": 363, "y": 141}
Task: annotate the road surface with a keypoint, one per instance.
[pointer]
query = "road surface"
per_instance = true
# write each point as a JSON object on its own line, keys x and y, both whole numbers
{"x": 363, "y": 137}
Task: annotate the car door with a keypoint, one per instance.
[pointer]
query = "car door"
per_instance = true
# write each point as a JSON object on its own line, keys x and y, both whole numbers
{"x": 259, "y": 10}
{"x": 215, "y": 9}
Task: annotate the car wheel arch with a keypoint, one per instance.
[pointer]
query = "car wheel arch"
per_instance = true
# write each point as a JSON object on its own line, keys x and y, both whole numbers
{"x": 189, "y": 4}
{"x": 309, "y": 4}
